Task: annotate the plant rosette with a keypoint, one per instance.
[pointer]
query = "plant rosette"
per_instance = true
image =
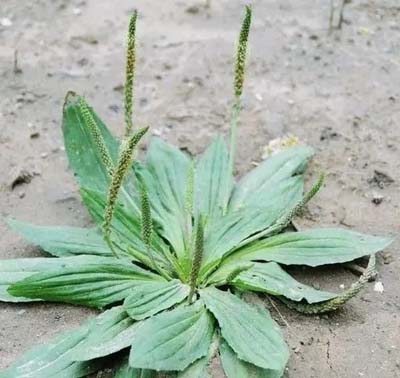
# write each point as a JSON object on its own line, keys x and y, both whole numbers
{"x": 177, "y": 242}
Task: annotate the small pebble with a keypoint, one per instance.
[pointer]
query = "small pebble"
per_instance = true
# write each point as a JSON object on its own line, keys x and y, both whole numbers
{"x": 378, "y": 287}
{"x": 6, "y": 22}
{"x": 377, "y": 198}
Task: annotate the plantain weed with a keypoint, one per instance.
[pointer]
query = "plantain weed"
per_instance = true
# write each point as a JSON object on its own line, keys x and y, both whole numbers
{"x": 177, "y": 241}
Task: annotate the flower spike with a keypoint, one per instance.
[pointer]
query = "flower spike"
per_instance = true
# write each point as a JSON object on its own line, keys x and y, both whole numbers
{"x": 241, "y": 53}
{"x": 123, "y": 164}
{"x": 197, "y": 258}
{"x": 96, "y": 135}
{"x": 130, "y": 74}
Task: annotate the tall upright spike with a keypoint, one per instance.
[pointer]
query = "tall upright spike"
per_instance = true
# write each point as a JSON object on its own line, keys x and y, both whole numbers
{"x": 130, "y": 74}
{"x": 197, "y": 257}
{"x": 240, "y": 65}
{"x": 123, "y": 164}
{"x": 96, "y": 135}
{"x": 240, "y": 62}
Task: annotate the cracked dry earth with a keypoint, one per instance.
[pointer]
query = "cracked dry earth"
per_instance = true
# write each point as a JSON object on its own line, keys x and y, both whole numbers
{"x": 339, "y": 93}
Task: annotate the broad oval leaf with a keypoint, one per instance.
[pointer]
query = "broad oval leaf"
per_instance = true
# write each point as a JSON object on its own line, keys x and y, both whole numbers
{"x": 108, "y": 333}
{"x": 14, "y": 270}
{"x": 268, "y": 174}
{"x": 236, "y": 368}
{"x": 272, "y": 279}
{"x": 63, "y": 240}
{"x": 150, "y": 298}
{"x": 213, "y": 180}
{"x": 91, "y": 284}
{"x": 178, "y": 338}
{"x": 249, "y": 330}
{"x": 312, "y": 248}
{"x": 199, "y": 368}
{"x": 53, "y": 360}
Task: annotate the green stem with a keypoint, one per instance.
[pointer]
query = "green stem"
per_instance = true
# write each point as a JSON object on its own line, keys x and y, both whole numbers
{"x": 232, "y": 149}
{"x": 233, "y": 133}
{"x": 107, "y": 239}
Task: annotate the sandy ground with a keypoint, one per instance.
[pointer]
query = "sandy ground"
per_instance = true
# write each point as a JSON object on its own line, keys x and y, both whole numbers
{"x": 339, "y": 92}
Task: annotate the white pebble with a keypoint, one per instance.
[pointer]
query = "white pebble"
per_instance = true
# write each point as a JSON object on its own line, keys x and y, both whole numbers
{"x": 379, "y": 287}
{"x": 6, "y": 22}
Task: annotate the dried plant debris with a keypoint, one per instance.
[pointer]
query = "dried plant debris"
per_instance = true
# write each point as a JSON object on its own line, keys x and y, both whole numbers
{"x": 380, "y": 179}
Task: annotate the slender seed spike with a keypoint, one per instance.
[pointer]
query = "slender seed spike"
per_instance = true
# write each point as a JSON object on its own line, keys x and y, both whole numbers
{"x": 146, "y": 222}
{"x": 284, "y": 222}
{"x": 189, "y": 194}
{"x": 314, "y": 190}
{"x": 235, "y": 272}
{"x": 197, "y": 258}
{"x": 123, "y": 164}
{"x": 335, "y": 303}
{"x": 130, "y": 74}
{"x": 96, "y": 135}
{"x": 241, "y": 52}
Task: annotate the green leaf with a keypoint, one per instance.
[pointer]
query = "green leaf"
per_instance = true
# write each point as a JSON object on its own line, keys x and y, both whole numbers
{"x": 165, "y": 176}
{"x": 232, "y": 231}
{"x": 249, "y": 331}
{"x": 14, "y": 270}
{"x": 126, "y": 226}
{"x": 108, "y": 333}
{"x": 53, "y": 360}
{"x": 199, "y": 368}
{"x": 213, "y": 180}
{"x": 94, "y": 284}
{"x": 178, "y": 338}
{"x": 83, "y": 154}
{"x": 63, "y": 241}
{"x": 272, "y": 279}
{"x": 312, "y": 248}
{"x": 153, "y": 297}
{"x": 125, "y": 371}
{"x": 236, "y": 368}
{"x": 262, "y": 180}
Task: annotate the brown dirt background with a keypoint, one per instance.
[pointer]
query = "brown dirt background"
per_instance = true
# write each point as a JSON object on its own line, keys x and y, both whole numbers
{"x": 339, "y": 93}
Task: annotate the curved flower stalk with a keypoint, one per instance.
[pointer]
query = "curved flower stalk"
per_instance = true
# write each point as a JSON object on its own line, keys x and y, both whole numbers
{"x": 174, "y": 243}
